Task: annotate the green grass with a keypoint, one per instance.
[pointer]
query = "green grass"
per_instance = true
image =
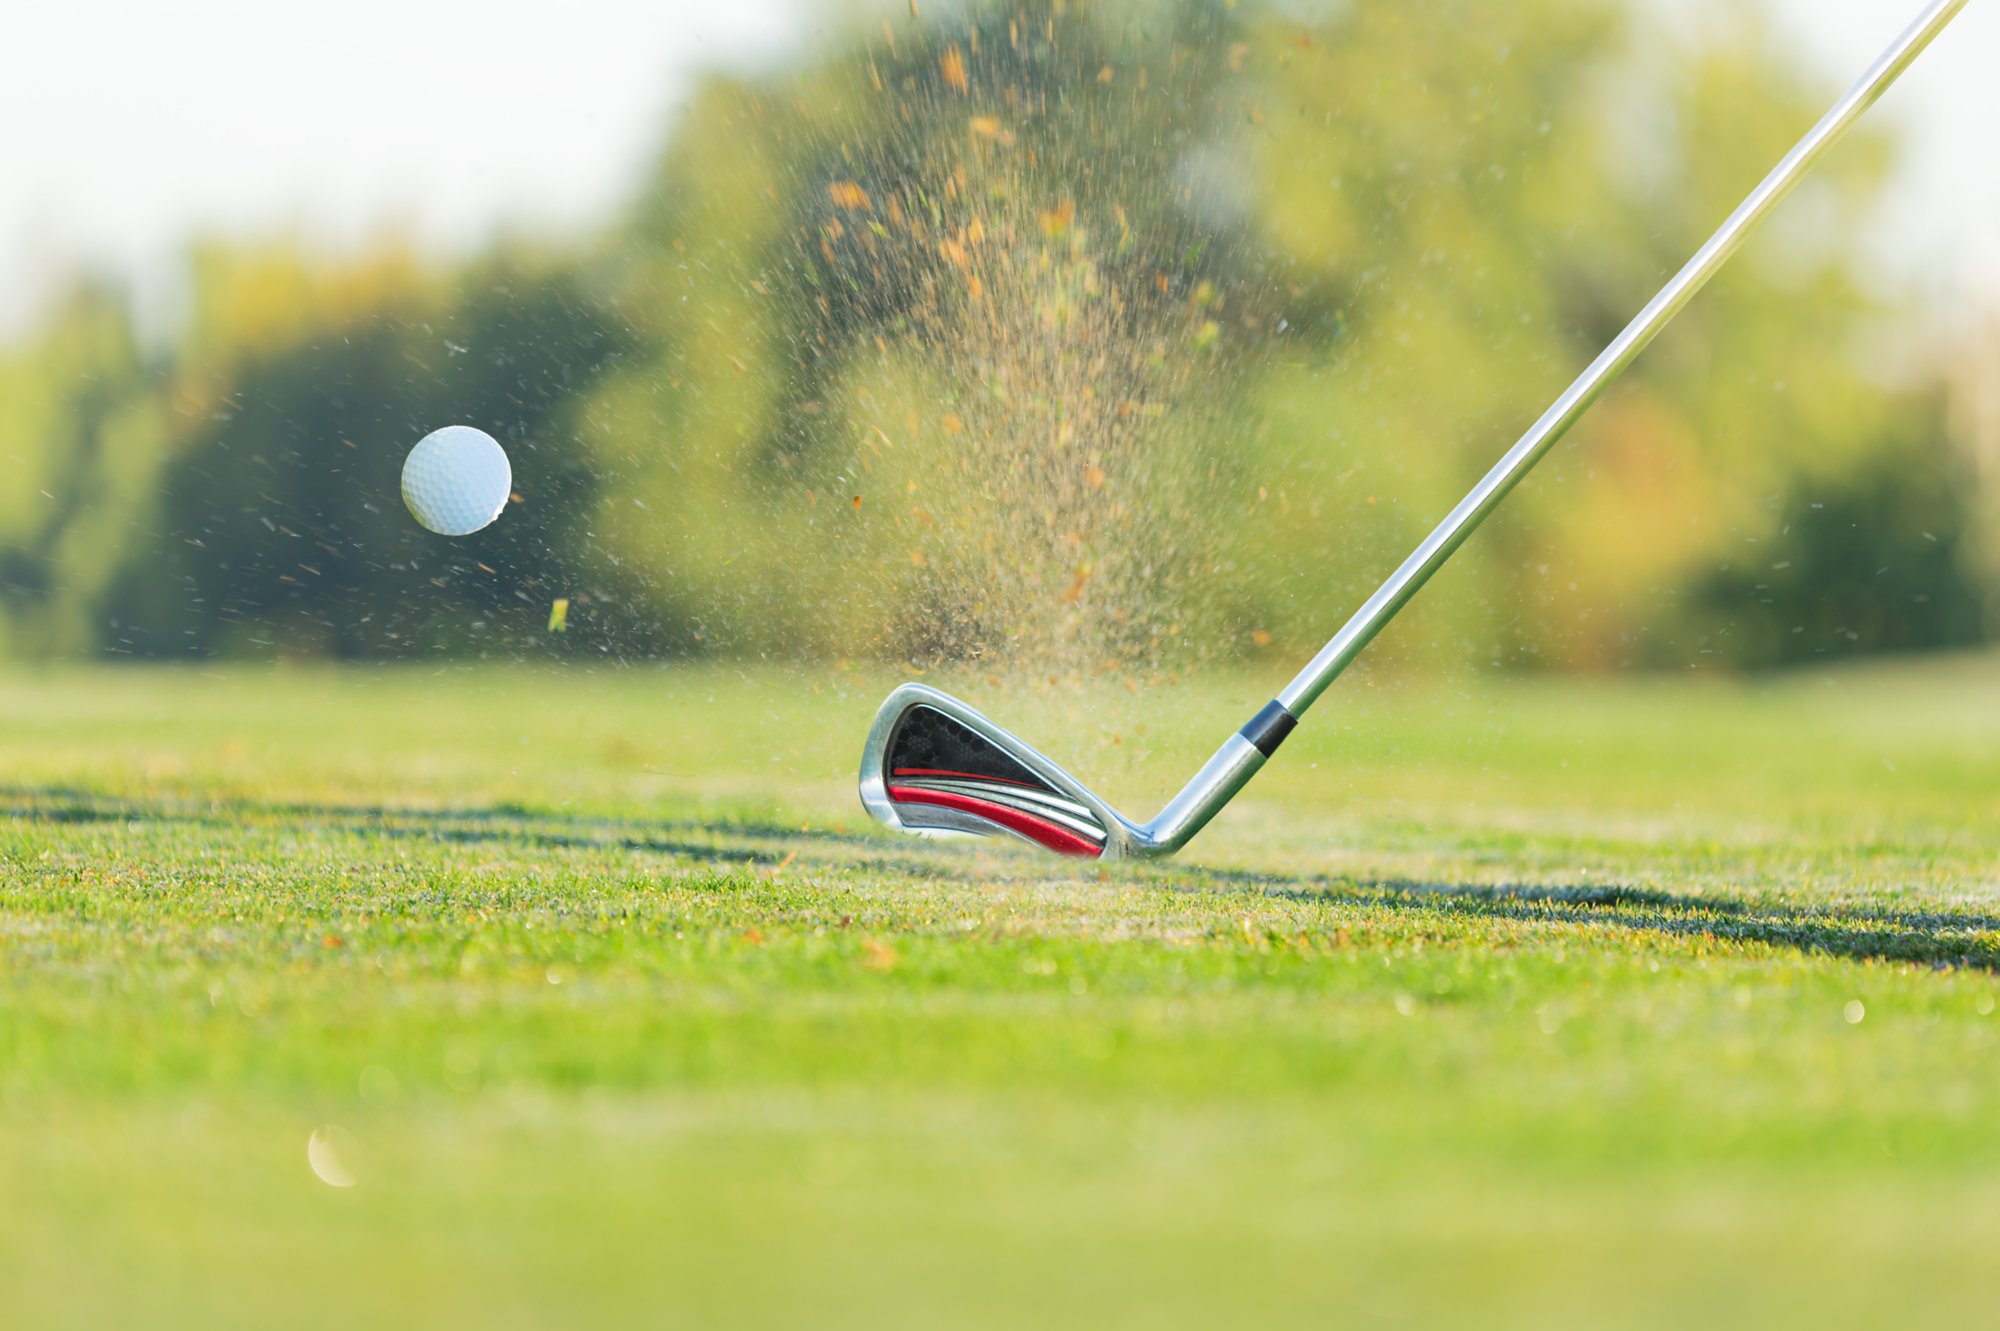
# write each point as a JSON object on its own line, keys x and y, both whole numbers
{"x": 1636, "y": 1003}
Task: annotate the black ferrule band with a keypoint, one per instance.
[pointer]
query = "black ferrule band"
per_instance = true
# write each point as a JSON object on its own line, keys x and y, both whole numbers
{"x": 1267, "y": 729}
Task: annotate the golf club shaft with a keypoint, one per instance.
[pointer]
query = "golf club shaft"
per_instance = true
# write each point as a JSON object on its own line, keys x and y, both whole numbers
{"x": 1380, "y": 608}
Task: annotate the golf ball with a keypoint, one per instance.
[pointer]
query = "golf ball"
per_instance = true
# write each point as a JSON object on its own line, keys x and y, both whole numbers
{"x": 456, "y": 480}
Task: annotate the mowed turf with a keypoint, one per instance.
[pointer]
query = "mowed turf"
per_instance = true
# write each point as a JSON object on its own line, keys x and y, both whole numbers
{"x": 1637, "y": 1003}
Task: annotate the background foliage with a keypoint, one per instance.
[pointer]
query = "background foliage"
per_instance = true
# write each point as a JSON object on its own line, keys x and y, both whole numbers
{"x": 1102, "y": 336}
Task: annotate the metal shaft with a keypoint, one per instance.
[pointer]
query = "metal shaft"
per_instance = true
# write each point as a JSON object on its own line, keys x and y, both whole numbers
{"x": 1380, "y": 608}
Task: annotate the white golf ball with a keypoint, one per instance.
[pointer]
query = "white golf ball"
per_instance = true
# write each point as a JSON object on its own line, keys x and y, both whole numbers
{"x": 456, "y": 480}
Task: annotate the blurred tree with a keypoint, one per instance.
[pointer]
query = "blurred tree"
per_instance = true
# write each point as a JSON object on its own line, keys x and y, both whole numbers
{"x": 280, "y": 526}
{"x": 1878, "y": 559}
{"x": 1972, "y": 387}
{"x": 78, "y": 425}
{"x": 936, "y": 323}
{"x": 1463, "y": 224}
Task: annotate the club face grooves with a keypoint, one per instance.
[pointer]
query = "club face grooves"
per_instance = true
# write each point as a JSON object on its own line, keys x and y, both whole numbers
{"x": 934, "y": 766}
{"x": 941, "y": 772}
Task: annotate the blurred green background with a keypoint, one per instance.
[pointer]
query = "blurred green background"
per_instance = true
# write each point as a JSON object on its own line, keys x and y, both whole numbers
{"x": 1115, "y": 337}
{"x": 1133, "y": 341}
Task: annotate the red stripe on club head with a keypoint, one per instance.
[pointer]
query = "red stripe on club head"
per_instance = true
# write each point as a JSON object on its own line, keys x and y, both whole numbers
{"x": 963, "y": 776}
{"x": 1044, "y": 834}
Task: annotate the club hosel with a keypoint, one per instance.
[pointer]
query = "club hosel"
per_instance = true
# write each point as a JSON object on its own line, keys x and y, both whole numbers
{"x": 1239, "y": 759}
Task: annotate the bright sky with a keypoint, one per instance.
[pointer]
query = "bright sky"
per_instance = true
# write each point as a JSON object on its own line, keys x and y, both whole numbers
{"x": 1942, "y": 226}
{"x": 131, "y": 126}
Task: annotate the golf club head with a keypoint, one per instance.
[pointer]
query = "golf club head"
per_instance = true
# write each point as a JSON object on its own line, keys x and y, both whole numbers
{"x": 935, "y": 767}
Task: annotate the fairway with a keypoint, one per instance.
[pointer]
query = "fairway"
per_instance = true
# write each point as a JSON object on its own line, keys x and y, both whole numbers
{"x": 1630, "y": 1003}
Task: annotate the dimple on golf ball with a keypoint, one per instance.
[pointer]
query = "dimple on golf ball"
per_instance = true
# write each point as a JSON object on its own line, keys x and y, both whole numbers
{"x": 456, "y": 480}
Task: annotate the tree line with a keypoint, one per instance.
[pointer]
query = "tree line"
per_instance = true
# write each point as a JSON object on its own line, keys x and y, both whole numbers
{"x": 1104, "y": 337}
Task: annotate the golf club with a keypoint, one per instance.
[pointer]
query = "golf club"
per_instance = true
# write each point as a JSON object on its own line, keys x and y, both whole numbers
{"x": 934, "y": 766}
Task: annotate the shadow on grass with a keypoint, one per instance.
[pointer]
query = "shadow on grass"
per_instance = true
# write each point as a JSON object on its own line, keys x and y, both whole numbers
{"x": 1856, "y": 931}
{"x": 1942, "y": 939}
{"x": 728, "y": 842}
